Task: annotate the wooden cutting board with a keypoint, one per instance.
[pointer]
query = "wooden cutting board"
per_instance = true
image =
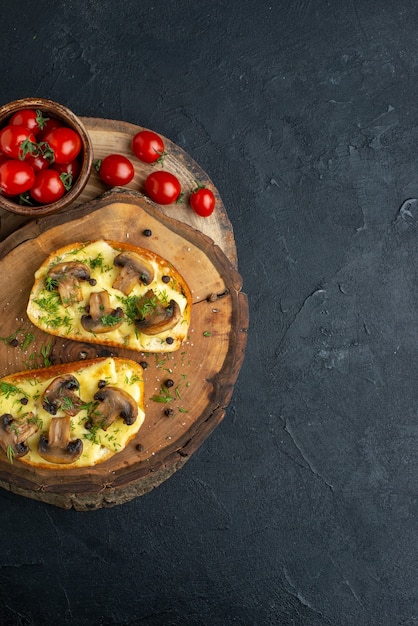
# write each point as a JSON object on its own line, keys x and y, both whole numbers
{"x": 204, "y": 370}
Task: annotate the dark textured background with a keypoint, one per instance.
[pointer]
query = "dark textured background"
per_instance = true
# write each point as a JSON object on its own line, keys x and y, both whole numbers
{"x": 301, "y": 508}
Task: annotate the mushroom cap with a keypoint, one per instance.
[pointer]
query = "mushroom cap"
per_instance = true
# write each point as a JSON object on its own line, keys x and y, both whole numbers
{"x": 68, "y": 275}
{"x": 113, "y": 403}
{"x": 57, "y": 446}
{"x": 134, "y": 269}
{"x": 76, "y": 269}
{"x": 15, "y": 432}
{"x": 154, "y": 317}
{"x": 101, "y": 318}
{"x": 60, "y": 395}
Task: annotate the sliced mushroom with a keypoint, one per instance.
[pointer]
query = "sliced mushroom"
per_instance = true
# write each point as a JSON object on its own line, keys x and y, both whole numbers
{"x": 60, "y": 394}
{"x": 154, "y": 317}
{"x": 134, "y": 269}
{"x": 68, "y": 277}
{"x": 57, "y": 446}
{"x": 101, "y": 317}
{"x": 14, "y": 432}
{"x": 113, "y": 403}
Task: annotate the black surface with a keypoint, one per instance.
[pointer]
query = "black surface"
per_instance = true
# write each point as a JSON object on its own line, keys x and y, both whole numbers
{"x": 301, "y": 508}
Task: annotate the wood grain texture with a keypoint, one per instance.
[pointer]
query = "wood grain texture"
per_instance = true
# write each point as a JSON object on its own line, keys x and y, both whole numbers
{"x": 204, "y": 370}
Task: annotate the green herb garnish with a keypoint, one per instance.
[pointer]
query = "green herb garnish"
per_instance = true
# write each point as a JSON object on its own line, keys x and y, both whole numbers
{"x": 10, "y": 453}
{"x": 164, "y": 396}
{"x": 10, "y": 390}
{"x": 45, "y": 353}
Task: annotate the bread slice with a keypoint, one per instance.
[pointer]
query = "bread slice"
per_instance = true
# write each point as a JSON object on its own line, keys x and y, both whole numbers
{"x": 71, "y": 415}
{"x": 113, "y": 294}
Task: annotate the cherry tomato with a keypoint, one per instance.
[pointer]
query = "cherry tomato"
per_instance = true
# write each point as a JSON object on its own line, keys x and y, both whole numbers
{"x": 202, "y": 201}
{"x": 162, "y": 187}
{"x": 115, "y": 169}
{"x": 147, "y": 146}
{"x": 30, "y": 118}
{"x": 17, "y": 142}
{"x": 16, "y": 177}
{"x": 65, "y": 144}
{"x": 38, "y": 162}
{"x": 48, "y": 187}
{"x": 50, "y": 124}
{"x": 72, "y": 168}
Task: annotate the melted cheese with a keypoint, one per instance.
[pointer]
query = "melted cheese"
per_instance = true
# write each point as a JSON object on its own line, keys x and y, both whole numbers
{"x": 98, "y": 444}
{"x": 47, "y": 312}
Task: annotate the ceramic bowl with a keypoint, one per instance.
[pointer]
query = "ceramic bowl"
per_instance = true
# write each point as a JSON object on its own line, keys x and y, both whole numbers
{"x": 51, "y": 109}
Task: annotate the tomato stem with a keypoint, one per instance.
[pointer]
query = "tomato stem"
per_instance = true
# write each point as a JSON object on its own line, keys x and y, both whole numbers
{"x": 46, "y": 151}
{"x": 25, "y": 198}
{"x": 28, "y": 147}
{"x": 40, "y": 119}
{"x": 67, "y": 179}
{"x": 199, "y": 186}
{"x": 160, "y": 159}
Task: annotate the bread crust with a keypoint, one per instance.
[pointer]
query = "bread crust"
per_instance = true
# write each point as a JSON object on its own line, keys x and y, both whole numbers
{"x": 44, "y": 373}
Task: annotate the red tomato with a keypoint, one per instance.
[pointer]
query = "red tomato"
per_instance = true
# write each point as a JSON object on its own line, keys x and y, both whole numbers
{"x": 48, "y": 187}
{"x": 147, "y": 146}
{"x": 38, "y": 162}
{"x": 65, "y": 144}
{"x": 50, "y": 124}
{"x": 72, "y": 168}
{"x": 17, "y": 142}
{"x": 16, "y": 177}
{"x": 162, "y": 187}
{"x": 116, "y": 169}
{"x": 30, "y": 118}
{"x": 202, "y": 201}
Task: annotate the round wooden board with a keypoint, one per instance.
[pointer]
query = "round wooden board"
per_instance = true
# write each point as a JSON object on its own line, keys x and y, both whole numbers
{"x": 204, "y": 369}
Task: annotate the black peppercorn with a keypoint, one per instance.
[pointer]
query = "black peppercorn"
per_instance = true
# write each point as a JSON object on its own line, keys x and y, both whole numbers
{"x": 24, "y": 401}
{"x": 170, "y": 340}
{"x": 144, "y": 365}
{"x": 169, "y": 383}
{"x": 165, "y": 279}
{"x": 101, "y": 384}
{"x": 168, "y": 412}
{"x": 14, "y": 343}
{"x": 147, "y": 232}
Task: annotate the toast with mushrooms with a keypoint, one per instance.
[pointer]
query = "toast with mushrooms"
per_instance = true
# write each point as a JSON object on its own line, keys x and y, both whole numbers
{"x": 71, "y": 415}
{"x": 113, "y": 294}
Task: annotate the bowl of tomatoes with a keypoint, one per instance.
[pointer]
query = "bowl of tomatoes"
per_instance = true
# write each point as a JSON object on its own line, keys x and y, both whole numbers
{"x": 46, "y": 157}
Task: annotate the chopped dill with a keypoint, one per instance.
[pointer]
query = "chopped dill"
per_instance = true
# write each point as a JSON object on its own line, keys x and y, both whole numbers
{"x": 164, "y": 396}
{"x": 7, "y": 389}
{"x": 10, "y": 453}
{"x": 50, "y": 303}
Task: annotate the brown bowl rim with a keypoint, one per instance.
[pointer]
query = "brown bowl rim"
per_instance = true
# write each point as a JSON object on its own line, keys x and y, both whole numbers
{"x": 66, "y": 115}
